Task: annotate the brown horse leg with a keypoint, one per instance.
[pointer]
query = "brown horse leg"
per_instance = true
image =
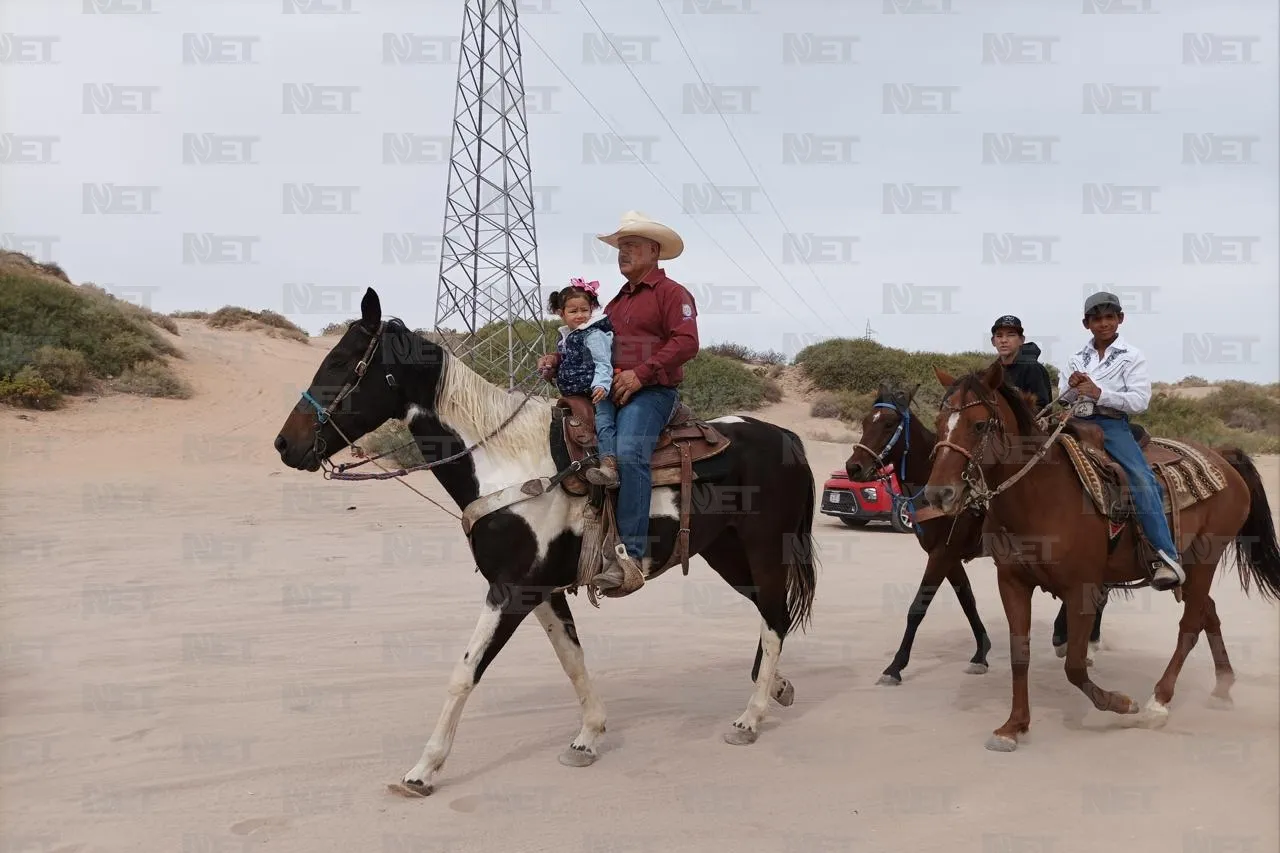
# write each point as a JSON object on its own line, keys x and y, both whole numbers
{"x": 1015, "y": 594}
{"x": 1195, "y": 592}
{"x": 1080, "y": 619}
{"x": 1221, "y": 696}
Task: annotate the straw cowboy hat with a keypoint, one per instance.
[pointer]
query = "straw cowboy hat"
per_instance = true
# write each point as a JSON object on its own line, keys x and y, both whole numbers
{"x": 635, "y": 223}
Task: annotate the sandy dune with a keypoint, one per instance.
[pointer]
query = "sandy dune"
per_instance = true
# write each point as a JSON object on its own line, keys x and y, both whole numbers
{"x": 205, "y": 652}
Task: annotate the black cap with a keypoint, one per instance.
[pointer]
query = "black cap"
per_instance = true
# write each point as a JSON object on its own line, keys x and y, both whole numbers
{"x": 1008, "y": 321}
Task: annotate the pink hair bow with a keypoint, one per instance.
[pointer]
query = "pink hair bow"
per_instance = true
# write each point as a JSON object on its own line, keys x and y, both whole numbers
{"x": 588, "y": 286}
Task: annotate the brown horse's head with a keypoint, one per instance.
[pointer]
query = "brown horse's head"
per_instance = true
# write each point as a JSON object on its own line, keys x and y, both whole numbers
{"x": 883, "y": 433}
{"x": 978, "y": 416}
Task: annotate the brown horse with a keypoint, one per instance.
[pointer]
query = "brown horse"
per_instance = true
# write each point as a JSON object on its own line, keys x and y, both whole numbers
{"x": 890, "y": 432}
{"x": 1055, "y": 538}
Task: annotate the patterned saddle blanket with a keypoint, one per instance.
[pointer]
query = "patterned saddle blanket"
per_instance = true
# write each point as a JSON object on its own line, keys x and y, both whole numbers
{"x": 1184, "y": 472}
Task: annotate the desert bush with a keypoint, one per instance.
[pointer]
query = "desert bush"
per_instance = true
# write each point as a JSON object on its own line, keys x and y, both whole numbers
{"x": 740, "y": 352}
{"x": 235, "y": 317}
{"x": 1192, "y": 382}
{"x": 65, "y": 369}
{"x": 772, "y": 390}
{"x": 29, "y": 390}
{"x": 1175, "y": 416}
{"x": 714, "y": 385}
{"x": 337, "y": 328}
{"x": 825, "y": 405}
{"x": 153, "y": 379}
{"x": 189, "y": 315}
{"x": 38, "y": 311}
{"x": 1241, "y": 405}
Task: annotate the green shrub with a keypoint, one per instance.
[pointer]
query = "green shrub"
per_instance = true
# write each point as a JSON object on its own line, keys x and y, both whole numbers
{"x": 1241, "y": 405}
{"x": 714, "y": 386}
{"x": 38, "y": 311}
{"x": 860, "y": 366}
{"x": 29, "y": 391}
{"x": 65, "y": 369}
{"x": 153, "y": 379}
{"x": 1175, "y": 416}
{"x": 825, "y": 405}
{"x": 772, "y": 390}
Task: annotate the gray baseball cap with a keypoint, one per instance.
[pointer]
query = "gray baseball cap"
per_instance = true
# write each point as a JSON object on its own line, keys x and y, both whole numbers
{"x": 1099, "y": 299}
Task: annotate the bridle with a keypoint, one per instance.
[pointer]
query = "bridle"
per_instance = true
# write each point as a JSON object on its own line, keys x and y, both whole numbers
{"x": 324, "y": 415}
{"x": 977, "y": 494}
{"x": 903, "y": 432}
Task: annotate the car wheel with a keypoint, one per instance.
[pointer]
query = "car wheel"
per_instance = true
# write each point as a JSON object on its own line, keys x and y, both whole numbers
{"x": 901, "y": 518}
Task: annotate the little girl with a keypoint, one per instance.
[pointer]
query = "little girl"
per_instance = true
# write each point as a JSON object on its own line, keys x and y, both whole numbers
{"x": 586, "y": 366}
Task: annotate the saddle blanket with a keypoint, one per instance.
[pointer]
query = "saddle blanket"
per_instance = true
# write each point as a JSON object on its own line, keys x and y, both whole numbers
{"x": 1187, "y": 480}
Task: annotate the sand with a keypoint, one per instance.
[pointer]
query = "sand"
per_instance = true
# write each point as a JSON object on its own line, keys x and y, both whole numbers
{"x": 206, "y": 652}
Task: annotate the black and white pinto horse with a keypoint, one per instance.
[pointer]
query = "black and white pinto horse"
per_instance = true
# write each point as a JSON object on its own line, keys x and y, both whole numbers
{"x": 528, "y": 551}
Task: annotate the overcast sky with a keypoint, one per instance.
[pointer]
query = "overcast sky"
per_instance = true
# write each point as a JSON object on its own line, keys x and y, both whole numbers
{"x": 1053, "y": 147}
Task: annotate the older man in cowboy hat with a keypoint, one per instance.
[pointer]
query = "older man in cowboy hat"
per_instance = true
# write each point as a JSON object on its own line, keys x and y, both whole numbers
{"x": 655, "y": 331}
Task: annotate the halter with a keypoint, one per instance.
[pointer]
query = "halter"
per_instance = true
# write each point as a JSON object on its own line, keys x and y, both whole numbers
{"x": 977, "y": 494}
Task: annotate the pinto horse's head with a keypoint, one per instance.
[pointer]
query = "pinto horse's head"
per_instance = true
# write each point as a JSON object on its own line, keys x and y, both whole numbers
{"x": 884, "y": 433}
{"x": 373, "y": 373}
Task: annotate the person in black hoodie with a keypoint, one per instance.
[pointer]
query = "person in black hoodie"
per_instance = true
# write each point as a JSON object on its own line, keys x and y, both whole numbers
{"x": 1021, "y": 360}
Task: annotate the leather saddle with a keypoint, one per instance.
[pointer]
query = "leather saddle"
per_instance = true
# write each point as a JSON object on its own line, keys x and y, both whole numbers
{"x": 684, "y": 440}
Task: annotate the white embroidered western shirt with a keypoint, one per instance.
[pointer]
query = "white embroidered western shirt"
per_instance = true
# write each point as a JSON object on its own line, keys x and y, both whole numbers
{"x": 1121, "y": 375}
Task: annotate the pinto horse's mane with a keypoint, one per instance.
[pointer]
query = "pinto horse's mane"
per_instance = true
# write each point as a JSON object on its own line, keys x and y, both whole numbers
{"x": 469, "y": 402}
{"x": 975, "y": 383}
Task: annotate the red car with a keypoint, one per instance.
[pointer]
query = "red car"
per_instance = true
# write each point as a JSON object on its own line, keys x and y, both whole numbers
{"x": 856, "y": 504}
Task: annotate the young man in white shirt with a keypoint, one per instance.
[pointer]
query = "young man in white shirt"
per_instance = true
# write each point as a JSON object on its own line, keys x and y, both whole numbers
{"x": 1112, "y": 373}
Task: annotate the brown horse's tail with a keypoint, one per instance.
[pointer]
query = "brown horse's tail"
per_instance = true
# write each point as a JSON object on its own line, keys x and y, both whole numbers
{"x": 1256, "y": 551}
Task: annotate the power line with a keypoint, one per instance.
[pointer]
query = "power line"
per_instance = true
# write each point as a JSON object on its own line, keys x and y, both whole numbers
{"x": 698, "y": 165}
{"x": 713, "y": 240}
{"x": 743, "y": 154}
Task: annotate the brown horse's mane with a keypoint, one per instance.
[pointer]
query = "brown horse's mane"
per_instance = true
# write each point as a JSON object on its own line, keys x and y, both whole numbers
{"x": 975, "y": 383}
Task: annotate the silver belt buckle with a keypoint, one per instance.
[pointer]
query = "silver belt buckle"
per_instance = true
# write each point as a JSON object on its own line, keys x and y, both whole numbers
{"x": 1082, "y": 408}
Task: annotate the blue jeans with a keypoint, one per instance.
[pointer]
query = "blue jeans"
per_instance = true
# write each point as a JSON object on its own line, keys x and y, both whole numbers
{"x": 630, "y": 434}
{"x": 1147, "y": 492}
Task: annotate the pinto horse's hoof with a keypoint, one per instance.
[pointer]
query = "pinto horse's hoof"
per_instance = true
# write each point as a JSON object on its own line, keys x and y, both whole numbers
{"x": 574, "y": 757}
{"x": 1002, "y": 743}
{"x": 786, "y": 695}
{"x": 976, "y": 669}
{"x": 740, "y": 737}
{"x": 410, "y": 790}
{"x": 888, "y": 680}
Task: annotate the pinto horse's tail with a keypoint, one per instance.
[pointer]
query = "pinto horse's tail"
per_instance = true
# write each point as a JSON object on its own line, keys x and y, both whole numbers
{"x": 1257, "y": 553}
{"x": 800, "y": 556}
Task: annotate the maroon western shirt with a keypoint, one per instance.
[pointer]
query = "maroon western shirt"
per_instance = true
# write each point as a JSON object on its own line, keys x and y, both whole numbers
{"x": 655, "y": 328}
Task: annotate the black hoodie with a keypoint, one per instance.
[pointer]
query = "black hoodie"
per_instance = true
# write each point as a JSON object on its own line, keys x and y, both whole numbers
{"x": 1028, "y": 374}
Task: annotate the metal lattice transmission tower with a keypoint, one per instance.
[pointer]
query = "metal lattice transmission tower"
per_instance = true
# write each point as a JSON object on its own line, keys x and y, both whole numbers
{"x": 489, "y": 286}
